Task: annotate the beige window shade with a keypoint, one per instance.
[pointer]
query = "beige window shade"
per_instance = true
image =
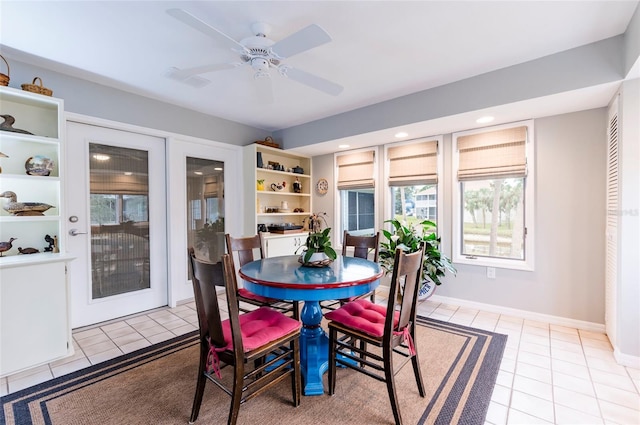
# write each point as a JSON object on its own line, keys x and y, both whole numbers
{"x": 414, "y": 164}
{"x": 498, "y": 154}
{"x": 355, "y": 171}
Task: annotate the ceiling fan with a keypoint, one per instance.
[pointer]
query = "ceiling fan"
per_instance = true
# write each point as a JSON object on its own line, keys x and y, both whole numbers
{"x": 260, "y": 53}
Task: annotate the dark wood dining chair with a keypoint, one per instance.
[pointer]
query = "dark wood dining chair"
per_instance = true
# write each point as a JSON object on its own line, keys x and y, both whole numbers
{"x": 260, "y": 357}
{"x": 244, "y": 248}
{"x": 362, "y": 246}
{"x": 388, "y": 328}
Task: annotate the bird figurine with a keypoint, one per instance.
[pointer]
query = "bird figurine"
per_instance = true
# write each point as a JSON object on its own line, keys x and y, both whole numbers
{"x": 6, "y": 246}
{"x": 7, "y": 125}
{"x": 51, "y": 243}
{"x": 23, "y": 208}
{"x": 22, "y": 250}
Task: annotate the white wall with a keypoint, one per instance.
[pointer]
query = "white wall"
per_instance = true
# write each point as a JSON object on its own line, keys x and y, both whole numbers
{"x": 628, "y": 288}
{"x": 568, "y": 280}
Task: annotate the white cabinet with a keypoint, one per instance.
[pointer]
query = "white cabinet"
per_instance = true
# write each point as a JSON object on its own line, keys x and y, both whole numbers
{"x": 42, "y": 116}
{"x": 278, "y": 245}
{"x": 268, "y": 206}
{"x": 34, "y": 293}
{"x": 34, "y": 315}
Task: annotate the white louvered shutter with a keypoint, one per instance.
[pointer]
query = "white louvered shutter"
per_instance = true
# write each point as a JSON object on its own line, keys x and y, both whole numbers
{"x": 613, "y": 207}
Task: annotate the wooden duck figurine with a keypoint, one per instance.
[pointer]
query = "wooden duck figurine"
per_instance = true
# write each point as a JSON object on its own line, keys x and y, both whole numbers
{"x": 6, "y": 246}
{"x": 7, "y": 125}
{"x": 23, "y": 208}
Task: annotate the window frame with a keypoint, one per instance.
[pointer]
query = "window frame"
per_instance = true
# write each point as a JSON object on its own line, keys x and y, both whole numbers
{"x": 528, "y": 264}
{"x": 388, "y": 197}
{"x": 338, "y": 224}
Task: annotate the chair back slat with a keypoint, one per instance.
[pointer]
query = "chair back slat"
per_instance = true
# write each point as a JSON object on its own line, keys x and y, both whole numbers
{"x": 407, "y": 272}
{"x": 206, "y": 277}
{"x": 244, "y": 247}
{"x": 231, "y": 289}
{"x": 362, "y": 245}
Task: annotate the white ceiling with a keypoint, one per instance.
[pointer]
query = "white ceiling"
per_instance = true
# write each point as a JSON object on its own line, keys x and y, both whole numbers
{"x": 380, "y": 49}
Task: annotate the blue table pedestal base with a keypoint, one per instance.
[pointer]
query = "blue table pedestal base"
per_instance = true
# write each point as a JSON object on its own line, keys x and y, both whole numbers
{"x": 314, "y": 349}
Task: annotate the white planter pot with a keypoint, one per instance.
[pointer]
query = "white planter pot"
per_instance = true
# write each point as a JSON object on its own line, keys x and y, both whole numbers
{"x": 426, "y": 290}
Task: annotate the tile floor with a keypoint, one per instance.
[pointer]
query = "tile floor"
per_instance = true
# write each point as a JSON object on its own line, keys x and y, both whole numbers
{"x": 549, "y": 374}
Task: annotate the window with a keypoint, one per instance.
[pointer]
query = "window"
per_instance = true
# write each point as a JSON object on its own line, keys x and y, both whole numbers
{"x": 412, "y": 176}
{"x": 356, "y": 189}
{"x": 493, "y": 196}
{"x": 118, "y": 208}
{"x": 358, "y": 209}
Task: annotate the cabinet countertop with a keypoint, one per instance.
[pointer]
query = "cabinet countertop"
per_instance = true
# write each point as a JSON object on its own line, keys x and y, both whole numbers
{"x": 21, "y": 260}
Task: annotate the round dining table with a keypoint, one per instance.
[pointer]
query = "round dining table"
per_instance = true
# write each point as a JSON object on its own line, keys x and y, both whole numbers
{"x": 285, "y": 278}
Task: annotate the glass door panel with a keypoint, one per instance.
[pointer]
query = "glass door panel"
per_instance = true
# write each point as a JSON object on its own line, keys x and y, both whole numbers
{"x": 205, "y": 207}
{"x": 119, "y": 201}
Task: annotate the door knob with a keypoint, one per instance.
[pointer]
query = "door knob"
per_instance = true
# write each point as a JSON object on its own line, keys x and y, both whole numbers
{"x": 75, "y": 232}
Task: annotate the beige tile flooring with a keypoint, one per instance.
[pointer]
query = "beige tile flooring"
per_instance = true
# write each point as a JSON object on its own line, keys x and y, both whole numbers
{"x": 549, "y": 373}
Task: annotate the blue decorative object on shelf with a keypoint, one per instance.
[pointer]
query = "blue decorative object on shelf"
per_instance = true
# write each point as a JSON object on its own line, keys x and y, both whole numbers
{"x": 259, "y": 164}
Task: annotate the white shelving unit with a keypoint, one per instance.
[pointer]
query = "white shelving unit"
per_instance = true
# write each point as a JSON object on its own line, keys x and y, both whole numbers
{"x": 259, "y": 203}
{"x": 34, "y": 289}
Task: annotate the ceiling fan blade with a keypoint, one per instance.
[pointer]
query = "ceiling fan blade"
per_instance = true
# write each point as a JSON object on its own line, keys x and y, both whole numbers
{"x": 264, "y": 88}
{"x": 313, "y": 81}
{"x": 180, "y": 74}
{"x": 298, "y": 42}
{"x": 195, "y": 23}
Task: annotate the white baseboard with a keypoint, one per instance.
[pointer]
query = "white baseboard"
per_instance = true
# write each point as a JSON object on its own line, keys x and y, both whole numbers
{"x": 626, "y": 359}
{"x": 529, "y": 315}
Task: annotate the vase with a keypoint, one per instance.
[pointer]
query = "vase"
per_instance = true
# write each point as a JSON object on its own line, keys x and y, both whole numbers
{"x": 317, "y": 259}
{"x": 426, "y": 290}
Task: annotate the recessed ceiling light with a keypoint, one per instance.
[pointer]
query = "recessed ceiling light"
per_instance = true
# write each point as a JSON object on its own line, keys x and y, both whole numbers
{"x": 218, "y": 168}
{"x": 101, "y": 157}
{"x": 484, "y": 120}
{"x": 128, "y": 173}
{"x": 343, "y": 146}
{"x": 197, "y": 173}
{"x": 401, "y": 134}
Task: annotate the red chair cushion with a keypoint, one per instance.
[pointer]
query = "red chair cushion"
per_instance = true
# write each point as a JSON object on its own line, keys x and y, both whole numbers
{"x": 363, "y": 315}
{"x": 260, "y": 327}
{"x": 250, "y": 295}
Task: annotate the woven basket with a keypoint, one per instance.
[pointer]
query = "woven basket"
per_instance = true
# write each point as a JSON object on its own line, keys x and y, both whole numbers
{"x": 37, "y": 88}
{"x": 4, "y": 78}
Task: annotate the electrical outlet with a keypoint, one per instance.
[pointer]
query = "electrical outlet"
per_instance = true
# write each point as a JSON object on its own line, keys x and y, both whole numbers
{"x": 491, "y": 272}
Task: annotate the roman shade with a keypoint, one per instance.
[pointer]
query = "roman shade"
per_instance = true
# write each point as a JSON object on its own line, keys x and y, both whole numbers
{"x": 493, "y": 154}
{"x": 413, "y": 164}
{"x": 355, "y": 170}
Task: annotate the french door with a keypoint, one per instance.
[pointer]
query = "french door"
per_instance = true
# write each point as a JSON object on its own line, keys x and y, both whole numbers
{"x": 116, "y": 204}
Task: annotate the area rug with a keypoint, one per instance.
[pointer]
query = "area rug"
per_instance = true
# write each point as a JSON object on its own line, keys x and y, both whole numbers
{"x": 155, "y": 386}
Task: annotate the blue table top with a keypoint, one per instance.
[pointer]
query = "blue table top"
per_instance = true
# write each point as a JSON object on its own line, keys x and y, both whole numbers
{"x": 285, "y": 278}
{"x": 287, "y": 272}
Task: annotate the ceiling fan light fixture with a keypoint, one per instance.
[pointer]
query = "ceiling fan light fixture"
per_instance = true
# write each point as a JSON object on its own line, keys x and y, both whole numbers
{"x": 260, "y": 64}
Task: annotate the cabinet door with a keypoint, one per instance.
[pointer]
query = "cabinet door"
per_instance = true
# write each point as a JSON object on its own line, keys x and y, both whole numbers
{"x": 35, "y": 326}
{"x": 284, "y": 246}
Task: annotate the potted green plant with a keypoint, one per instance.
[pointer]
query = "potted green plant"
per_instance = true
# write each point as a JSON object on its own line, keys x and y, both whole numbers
{"x": 210, "y": 239}
{"x": 317, "y": 248}
{"x": 408, "y": 238}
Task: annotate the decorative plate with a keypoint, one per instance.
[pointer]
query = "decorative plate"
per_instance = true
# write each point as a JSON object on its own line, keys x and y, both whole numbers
{"x": 322, "y": 186}
{"x": 38, "y": 165}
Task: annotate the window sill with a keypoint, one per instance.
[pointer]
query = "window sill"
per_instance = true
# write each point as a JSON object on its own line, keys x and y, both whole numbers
{"x": 495, "y": 262}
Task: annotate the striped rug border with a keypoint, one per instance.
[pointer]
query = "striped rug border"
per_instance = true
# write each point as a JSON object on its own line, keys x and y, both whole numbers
{"x": 483, "y": 350}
